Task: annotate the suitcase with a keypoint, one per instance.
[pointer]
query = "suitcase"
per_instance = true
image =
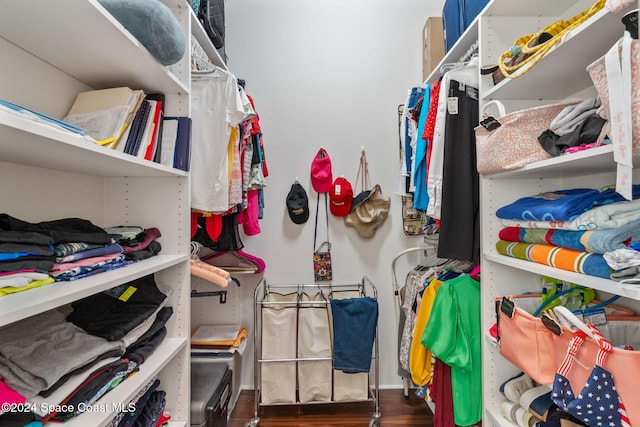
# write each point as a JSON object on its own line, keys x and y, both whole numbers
{"x": 210, "y": 394}
{"x": 457, "y": 15}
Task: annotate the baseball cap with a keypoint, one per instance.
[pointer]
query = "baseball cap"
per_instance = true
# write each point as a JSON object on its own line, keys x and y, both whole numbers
{"x": 298, "y": 204}
{"x": 340, "y": 197}
{"x": 321, "y": 177}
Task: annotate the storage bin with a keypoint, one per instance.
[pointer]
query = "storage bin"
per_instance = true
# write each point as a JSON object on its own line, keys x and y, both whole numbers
{"x": 210, "y": 394}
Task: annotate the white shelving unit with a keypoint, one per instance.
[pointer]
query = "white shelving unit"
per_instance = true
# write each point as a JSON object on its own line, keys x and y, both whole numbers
{"x": 559, "y": 75}
{"x": 50, "y": 52}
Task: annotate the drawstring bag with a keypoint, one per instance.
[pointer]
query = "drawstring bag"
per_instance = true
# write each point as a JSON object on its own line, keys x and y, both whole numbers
{"x": 370, "y": 207}
{"x": 321, "y": 174}
{"x": 322, "y": 271}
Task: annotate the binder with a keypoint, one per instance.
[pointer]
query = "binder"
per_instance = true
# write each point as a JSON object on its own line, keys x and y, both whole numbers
{"x": 137, "y": 128}
{"x": 153, "y": 153}
{"x": 168, "y": 143}
{"x": 104, "y": 113}
{"x": 182, "y": 152}
{"x": 145, "y": 140}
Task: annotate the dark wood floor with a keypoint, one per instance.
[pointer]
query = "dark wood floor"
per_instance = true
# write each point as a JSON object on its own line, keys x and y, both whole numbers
{"x": 396, "y": 411}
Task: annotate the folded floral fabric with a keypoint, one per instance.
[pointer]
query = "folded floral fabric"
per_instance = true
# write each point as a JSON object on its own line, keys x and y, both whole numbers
{"x": 113, "y": 248}
{"x": 561, "y": 205}
{"x": 594, "y": 241}
{"x": 84, "y": 264}
{"x": 599, "y": 218}
{"x": 554, "y": 256}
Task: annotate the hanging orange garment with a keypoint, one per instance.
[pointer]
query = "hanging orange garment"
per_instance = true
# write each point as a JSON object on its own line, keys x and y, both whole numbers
{"x": 420, "y": 364}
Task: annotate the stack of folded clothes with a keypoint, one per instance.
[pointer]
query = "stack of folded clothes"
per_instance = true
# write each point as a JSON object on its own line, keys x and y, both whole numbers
{"x": 63, "y": 360}
{"x": 575, "y": 230}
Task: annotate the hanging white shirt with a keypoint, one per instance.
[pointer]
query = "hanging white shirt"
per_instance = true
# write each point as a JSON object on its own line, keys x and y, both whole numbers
{"x": 216, "y": 106}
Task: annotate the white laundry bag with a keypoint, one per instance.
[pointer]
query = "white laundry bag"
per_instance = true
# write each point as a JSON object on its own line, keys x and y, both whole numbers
{"x": 279, "y": 322}
{"x": 314, "y": 341}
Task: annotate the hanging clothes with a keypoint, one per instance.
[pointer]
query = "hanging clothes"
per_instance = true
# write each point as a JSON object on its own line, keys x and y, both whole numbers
{"x": 460, "y": 200}
{"x": 467, "y": 75}
{"x": 216, "y": 107}
{"x": 420, "y": 363}
{"x": 453, "y": 334}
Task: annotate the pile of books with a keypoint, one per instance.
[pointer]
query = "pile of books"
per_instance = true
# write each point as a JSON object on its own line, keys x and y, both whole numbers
{"x": 133, "y": 122}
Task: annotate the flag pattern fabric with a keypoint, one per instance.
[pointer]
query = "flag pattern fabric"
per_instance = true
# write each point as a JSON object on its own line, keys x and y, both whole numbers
{"x": 598, "y": 403}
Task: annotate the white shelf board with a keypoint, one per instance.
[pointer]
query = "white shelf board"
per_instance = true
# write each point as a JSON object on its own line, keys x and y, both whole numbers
{"x": 496, "y": 418}
{"x": 127, "y": 390}
{"x": 88, "y": 44}
{"x": 205, "y": 42}
{"x": 20, "y": 305}
{"x": 523, "y": 8}
{"x": 555, "y": 76}
{"x": 460, "y": 47}
{"x": 30, "y": 143}
{"x": 598, "y": 283}
{"x": 595, "y": 160}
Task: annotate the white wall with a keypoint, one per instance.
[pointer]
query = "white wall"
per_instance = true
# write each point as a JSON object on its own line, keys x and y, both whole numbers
{"x": 329, "y": 73}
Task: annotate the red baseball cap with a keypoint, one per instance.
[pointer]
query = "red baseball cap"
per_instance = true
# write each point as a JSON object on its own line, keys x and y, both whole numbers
{"x": 321, "y": 176}
{"x": 340, "y": 197}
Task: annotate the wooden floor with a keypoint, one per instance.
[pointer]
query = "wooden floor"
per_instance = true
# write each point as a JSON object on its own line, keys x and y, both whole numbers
{"x": 395, "y": 410}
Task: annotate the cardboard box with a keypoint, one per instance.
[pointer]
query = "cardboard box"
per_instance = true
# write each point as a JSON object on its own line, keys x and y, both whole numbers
{"x": 432, "y": 45}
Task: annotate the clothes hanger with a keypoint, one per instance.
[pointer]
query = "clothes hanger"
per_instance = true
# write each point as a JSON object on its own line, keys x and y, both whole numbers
{"x": 200, "y": 62}
{"x": 236, "y": 261}
{"x": 209, "y": 272}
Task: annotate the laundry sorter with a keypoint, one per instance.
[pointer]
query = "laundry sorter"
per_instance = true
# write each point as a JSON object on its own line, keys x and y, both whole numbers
{"x": 316, "y": 344}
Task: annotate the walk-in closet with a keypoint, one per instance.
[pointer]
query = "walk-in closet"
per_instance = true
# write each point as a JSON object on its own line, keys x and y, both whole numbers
{"x": 244, "y": 213}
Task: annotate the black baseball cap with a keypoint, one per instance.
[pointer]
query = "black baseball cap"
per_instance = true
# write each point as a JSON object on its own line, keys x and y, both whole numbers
{"x": 298, "y": 204}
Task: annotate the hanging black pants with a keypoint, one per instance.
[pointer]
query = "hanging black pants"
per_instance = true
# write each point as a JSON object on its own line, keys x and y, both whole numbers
{"x": 459, "y": 215}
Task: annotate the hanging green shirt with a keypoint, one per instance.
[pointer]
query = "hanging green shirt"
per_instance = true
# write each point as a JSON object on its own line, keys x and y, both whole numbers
{"x": 453, "y": 335}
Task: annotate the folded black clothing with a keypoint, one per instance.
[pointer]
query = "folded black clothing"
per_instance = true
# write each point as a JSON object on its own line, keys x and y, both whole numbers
{"x": 153, "y": 249}
{"x": 159, "y": 322}
{"x": 129, "y": 418}
{"x": 27, "y": 237}
{"x": 16, "y": 249}
{"x": 587, "y": 132}
{"x": 60, "y": 230}
{"x": 115, "y": 312}
{"x": 42, "y": 265}
{"x": 17, "y": 419}
{"x": 152, "y": 410}
{"x": 141, "y": 352}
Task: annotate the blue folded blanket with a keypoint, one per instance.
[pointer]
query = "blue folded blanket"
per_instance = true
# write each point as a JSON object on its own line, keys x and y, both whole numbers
{"x": 561, "y": 205}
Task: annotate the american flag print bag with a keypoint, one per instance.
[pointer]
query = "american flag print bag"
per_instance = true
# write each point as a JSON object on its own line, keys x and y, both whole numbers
{"x": 598, "y": 403}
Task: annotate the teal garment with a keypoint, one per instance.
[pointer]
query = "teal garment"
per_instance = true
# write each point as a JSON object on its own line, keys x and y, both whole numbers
{"x": 453, "y": 335}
